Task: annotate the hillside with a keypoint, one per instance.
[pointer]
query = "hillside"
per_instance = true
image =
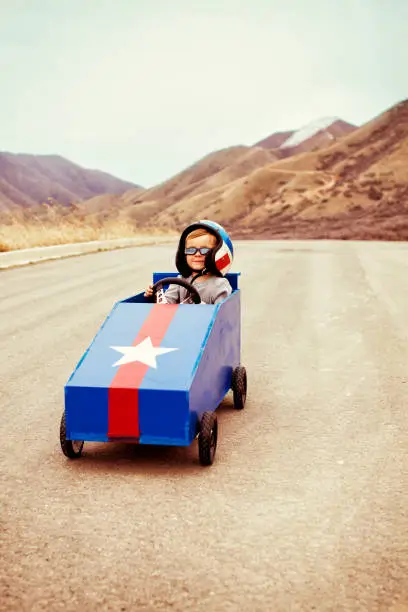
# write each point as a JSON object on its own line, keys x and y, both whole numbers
{"x": 201, "y": 183}
{"x": 275, "y": 140}
{"x": 28, "y": 180}
{"x": 214, "y": 172}
{"x": 311, "y": 137}
{"x": 354, "y": 187}
{"x": 358, "y": 187}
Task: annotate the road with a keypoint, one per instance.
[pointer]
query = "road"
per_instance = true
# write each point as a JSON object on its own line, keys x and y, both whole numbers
{"x": 306, "y": 505}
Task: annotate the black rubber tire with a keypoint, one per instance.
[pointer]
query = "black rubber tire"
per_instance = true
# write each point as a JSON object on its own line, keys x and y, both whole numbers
{"x": 70, "y": 448}
{"x": 239, "y": 387}
{"x": 207, "y": 438}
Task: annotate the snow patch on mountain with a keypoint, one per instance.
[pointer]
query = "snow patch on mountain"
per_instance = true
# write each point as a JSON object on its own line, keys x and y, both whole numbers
{"x": 308, "y": 131}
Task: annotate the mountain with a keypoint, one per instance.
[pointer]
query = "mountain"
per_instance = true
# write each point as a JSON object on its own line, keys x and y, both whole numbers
{"x": 355, "y": 188}
{"x": 28, "y": 180}
{"x": 275, "y": 140}
{"x": 328, "y": 180}
{"x": 355, "y": 185}
{"x": 311, "y": 137}
{"x": 213, "y": 173}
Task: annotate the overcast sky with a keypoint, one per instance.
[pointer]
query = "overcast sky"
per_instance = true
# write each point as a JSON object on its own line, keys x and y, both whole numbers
{"x": 144, "y": 88}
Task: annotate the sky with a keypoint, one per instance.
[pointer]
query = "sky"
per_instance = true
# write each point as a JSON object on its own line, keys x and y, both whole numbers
{"x": 144, "y": 88}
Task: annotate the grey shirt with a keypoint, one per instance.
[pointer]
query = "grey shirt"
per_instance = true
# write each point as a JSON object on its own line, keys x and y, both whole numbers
{"x": 212, "y": 290}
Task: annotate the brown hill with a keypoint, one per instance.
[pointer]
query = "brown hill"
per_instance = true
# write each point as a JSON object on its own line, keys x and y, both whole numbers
{"x": 27, "y": 180}
{"x": 214, "y": 172}
{"x": 318, "y": 140}
{"x": 219, "y": 168}
{"x": 355, "y": 187}
{"x": 311, "y": 137}
{"x": 275, "y": 140}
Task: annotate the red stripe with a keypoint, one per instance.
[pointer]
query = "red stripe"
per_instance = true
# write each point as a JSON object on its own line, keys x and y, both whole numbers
{"x": 123, "y": 393}
{"x": 223, "y": 261}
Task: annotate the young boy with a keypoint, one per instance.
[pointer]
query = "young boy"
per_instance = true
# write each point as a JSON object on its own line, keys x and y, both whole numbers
{"x": 204, "y": 256}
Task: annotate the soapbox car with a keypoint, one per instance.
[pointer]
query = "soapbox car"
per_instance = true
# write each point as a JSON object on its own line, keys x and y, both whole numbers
{"x": 155, "y": 373}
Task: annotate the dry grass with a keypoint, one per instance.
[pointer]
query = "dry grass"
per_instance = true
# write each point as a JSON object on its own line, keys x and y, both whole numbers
{"x": 53, "y": 228}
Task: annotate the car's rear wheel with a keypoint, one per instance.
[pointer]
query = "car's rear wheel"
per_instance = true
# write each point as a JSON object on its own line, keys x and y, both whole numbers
{"x": 70, "y": 448}
{"x": 207, "y": 438}
{"x": 239, "y": 387}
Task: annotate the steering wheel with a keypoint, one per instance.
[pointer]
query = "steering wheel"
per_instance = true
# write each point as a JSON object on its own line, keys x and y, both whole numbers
{"x": 174, "y": 280}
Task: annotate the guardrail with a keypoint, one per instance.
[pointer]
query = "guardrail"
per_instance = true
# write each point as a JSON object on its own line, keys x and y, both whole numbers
{"x": 23, "y": 257}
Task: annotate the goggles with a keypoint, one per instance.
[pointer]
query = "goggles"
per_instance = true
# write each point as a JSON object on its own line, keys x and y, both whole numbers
{"x": 194, "y": 250}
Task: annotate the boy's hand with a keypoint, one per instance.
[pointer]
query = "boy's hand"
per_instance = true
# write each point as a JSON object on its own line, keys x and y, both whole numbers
{"x": 149, "y": 291}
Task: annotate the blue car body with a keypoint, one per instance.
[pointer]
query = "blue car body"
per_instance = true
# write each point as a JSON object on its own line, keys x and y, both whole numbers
{"x": 162, "y": 403}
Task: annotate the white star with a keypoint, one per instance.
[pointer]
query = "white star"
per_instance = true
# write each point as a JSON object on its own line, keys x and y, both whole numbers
{"x": 144, "y": 352}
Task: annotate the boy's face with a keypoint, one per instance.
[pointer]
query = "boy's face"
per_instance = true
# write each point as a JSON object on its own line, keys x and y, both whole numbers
{"x": 196, "y": 262}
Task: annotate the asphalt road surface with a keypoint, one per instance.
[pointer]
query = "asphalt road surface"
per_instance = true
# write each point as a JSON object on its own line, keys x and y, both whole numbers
{"x": 306, "y": 505}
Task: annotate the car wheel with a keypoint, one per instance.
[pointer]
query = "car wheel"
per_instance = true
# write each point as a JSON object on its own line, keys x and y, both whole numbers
{"x": 70, "y": 448}
{"x": 239, "y": 387}
{"x": 207, "y": 438}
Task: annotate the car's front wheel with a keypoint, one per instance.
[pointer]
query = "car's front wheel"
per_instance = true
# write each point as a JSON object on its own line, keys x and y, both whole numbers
{"x": 70, "y": 448}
